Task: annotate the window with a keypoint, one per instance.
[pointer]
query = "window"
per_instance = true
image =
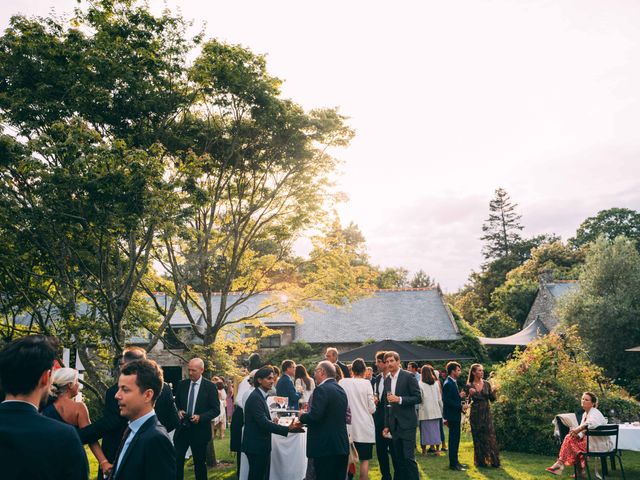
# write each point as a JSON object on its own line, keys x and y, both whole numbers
{"x": 272, "y": 341}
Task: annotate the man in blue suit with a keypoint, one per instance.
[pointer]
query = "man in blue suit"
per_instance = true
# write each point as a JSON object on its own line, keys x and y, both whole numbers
{"x": 452, "y": 412}
{"x": 258, "y": 427}
{"x": 285, "y": 387}
{"x": 327, "y": 440}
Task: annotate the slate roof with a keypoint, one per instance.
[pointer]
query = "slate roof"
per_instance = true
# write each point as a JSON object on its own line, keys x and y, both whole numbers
{"x": 560, "y": 289}
{"x": 408, "y": 352}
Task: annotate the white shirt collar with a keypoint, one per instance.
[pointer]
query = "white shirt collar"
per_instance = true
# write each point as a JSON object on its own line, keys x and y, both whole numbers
{"x": 198, "y": 381}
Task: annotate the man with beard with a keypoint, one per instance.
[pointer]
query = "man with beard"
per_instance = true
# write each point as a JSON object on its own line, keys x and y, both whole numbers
{"x": 33, "y": 446}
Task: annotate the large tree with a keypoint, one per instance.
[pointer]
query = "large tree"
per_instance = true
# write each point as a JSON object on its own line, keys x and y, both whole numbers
{"x": 606, "y": 308}
{"x": 502, "y": 228}
{"x": 611, "y": 223}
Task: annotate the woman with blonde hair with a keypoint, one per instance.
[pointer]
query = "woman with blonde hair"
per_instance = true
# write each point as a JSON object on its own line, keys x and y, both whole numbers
{"x": 64, "y": 408}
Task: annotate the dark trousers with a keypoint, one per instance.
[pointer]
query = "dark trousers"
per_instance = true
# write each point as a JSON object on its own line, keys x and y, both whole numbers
{"x": 199, "y": 451}
{"x": 454, "y": 442}
{"x": 331, "y": 467}
{"x": 384, "y": 449}
{"x": 259, "y": 465}
{"x": 405, "y": 466}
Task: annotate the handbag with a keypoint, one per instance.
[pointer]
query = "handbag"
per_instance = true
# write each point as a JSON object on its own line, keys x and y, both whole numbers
{"x": 353, "y": 453}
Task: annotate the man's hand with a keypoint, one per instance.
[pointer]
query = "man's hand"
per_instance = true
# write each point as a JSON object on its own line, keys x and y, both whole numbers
{"x": 296, "y": 427}
{"x": 391, "y": 398}
{"x": 181, "y": 414}
{"x": 195, "y": 419}
{"x": 463, "y": 394}
{"x": 386, "y": 432}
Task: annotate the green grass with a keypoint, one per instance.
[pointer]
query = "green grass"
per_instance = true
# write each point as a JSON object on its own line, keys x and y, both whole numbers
{"x": 514, "y": 465}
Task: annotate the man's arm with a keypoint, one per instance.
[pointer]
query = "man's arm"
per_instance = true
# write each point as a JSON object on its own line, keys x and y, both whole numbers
{"x": 414, "y": 395}
{"x": 160, "y": 459}
{"x": 75, "y": 462}
{"x": 110, "y": 421}
{"x": 255, "y": 411}
{"x": 212, "y": 400}
{"x": 318, "y": 407}
{"x": 285, "y": 388}
{"x": 166, "y": 409}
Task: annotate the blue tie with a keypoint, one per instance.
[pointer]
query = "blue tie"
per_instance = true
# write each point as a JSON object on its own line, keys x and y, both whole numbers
{"x": 191, "y": 399}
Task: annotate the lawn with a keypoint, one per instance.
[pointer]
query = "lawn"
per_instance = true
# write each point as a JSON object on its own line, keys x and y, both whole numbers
{"x": 514, "y": 466}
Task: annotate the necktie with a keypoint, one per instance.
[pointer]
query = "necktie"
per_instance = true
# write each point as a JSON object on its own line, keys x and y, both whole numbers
{"x": 191, "y": 400}
{"x": 125, "y": 435}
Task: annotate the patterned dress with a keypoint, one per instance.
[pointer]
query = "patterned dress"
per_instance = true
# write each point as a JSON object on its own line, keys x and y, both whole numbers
{"x": 485, "y": 446}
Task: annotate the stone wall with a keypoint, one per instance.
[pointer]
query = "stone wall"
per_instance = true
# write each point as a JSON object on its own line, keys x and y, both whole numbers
{"x": 544, "y": 308}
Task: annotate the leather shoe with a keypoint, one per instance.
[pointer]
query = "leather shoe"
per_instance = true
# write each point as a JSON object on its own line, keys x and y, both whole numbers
{"x": 458, "y": 468}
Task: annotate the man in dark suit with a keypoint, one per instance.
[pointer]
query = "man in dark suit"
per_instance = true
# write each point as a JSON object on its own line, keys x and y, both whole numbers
{"x": 451, "y": 411}
{"x": 198, "y": 404}
{"x": 258, "y": 427}
{"x": 384, "y": 447}
{"x": 145, "y": 451}
{"x": 327, "y": 440}
{"x": 285, "y": 387}
{"x": 331, "y": 355}
{"x": 111, "y": 426}
{"x": 33, "y": 446}
{"x": 402, "y": 394}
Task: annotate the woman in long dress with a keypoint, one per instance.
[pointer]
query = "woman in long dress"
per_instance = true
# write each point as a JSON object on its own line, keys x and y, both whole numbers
{"x": 430, "y": 411}
{"x": 480, "y": 393}
{"x": 65, "y": 409}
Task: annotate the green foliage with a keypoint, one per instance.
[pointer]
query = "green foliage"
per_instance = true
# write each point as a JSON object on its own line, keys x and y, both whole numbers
{"x": 497, "y": 324}
{"x": 545, "y": 379}
{"x": 422, "y": 280}
{"x": 610, "y": 223}
{"x": 300, "y": 352}
{"x": 606, "y": 308}
{"x": 468, "y": 344}
{"x": 392, "y": 278}
{"x": 501, "y": 229}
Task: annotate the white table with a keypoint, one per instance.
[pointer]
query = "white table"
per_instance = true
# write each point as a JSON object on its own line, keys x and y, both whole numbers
{"x": 629, "y": 437}
{"x": 288, "y": 458}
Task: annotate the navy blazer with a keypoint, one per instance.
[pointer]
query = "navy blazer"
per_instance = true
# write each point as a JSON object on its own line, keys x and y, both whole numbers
{"x": 285, "y": 388}
{"x": 327, "y": 421}
{"x": 149, "y": 456}
{"x": 451, "y": 402}
{"x": 35, "y": 447}
{"x": 206, "y": 405}
{"x": 258, "y": 427}
{"x": 401, "y": 418}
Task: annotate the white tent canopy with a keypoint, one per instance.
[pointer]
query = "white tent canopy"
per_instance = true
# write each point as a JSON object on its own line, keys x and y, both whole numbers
{"x": 525, "y": 336}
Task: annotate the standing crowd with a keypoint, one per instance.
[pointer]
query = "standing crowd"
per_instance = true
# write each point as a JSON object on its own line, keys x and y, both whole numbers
{"x": 146, "y": 432}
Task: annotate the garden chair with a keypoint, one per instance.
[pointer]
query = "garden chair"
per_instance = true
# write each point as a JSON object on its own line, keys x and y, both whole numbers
{"x": 602, "y": 431}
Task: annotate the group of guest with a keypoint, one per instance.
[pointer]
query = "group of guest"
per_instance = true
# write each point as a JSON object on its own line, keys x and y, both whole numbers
{"x": 138, "y": 413}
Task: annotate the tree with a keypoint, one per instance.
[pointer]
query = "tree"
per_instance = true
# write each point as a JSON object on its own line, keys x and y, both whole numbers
{"x": 606, "y": 308}
{"x": 501, "y": 229}
{"x": 611, "y": 223}
{"x": 422, "y": 280}
{"x": 392, "y": 278}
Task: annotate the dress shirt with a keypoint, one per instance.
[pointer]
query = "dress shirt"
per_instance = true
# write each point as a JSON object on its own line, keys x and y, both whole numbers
{"x": 394, "y": 380}
{"x": 381, "y": 384}
{"x": 196, "y": 389}
{"x": 134, "y": 427}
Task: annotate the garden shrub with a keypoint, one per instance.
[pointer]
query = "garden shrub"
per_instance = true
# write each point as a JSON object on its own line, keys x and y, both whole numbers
{"x": 545, "y": 379}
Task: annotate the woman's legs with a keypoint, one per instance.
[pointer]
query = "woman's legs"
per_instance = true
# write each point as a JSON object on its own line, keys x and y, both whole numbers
{"x": 364, "y": 469}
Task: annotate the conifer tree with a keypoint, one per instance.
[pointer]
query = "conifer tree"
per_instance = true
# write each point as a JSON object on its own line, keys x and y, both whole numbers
{"x": 502, "y": 228}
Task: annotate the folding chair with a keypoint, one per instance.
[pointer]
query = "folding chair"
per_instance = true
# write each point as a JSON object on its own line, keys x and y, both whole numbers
{"x": 602, "y": 431}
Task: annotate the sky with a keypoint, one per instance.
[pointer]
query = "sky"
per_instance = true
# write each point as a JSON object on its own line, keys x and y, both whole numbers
{"x": 449, "y": 101}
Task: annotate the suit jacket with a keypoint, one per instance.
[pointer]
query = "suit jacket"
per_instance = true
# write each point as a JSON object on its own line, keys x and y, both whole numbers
{"x": 451, "y": 403}
{"x": 327, "y": 421}
{"x": 285, "y": 388}
{"x": 258, "y": 427}
{"x": 150, "y": 455}
{"x": 378, "y": 415}
{"x": 35, "y": 447}
{"x": 401, "y": 418}
{"x": 344, "y": 368}
{"x": 206, "y": 405}
{"x": 111, "y": 426}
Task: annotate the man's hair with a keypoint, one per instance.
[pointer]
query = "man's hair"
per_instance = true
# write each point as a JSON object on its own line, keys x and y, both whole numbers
{"x": 328, "y": 368}
{"x": 412, "y": 364}
{"x": 392, "y": 354}
{"x": 148, "y": 375}
{"x": 23, "y": 362}
{"x": 263, "y": 372}
{"x": 287, "y": 364}
{"x": 451, "y": 366}
{"x": 380, "y": 355}
{"x": 131, "y": 354}
{"x": 358, "y": 366}
{"x": 333, "y": 350}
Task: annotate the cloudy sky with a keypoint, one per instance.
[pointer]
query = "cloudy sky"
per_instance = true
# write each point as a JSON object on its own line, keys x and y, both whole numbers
{"x": 451, "y": 100}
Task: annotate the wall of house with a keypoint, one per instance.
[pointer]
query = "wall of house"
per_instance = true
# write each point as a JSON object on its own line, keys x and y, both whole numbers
{"x": 543, "y": 307}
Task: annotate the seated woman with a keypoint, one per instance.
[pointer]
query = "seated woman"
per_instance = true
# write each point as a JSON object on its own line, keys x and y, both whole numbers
{"x": 575, "y": 442}
{"x": 64, "y": 408}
